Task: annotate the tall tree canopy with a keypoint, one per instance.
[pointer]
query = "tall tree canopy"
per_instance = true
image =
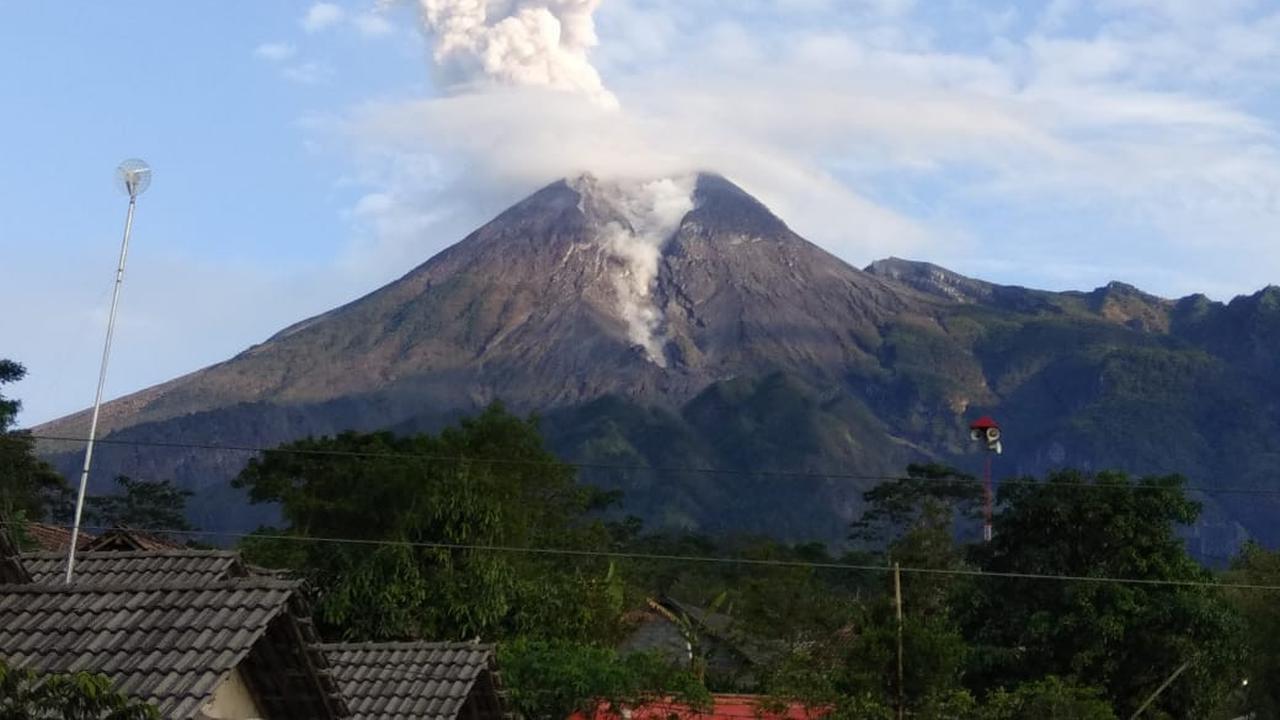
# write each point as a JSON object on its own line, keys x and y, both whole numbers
{"x": 142, "y": 504}
{"x": 29, "y": 487}
{"x": 1127, "y": 638}
{"x": 445, "y": 516}
{"x": 1257, "y": 689}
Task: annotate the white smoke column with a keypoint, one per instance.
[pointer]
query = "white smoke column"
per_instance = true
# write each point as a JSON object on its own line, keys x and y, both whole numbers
{"x": 649, "y": 215}
{"x": 525, "y": 43}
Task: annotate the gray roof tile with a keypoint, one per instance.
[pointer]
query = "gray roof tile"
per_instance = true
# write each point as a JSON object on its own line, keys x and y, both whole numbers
{"x": 107, "y": 567}
{"x": 407, "y": 681}
{"x": 170, "y": 644}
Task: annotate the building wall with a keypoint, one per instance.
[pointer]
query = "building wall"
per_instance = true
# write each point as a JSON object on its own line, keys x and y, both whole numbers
{"x": 233, "y": 701}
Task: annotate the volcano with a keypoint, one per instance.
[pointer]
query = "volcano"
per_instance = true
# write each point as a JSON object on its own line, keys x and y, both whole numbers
{"x": 725, "y": 373}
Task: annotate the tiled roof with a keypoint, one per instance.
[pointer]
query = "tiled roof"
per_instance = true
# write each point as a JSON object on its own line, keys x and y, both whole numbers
{"x": 123, "y": 538}
{"x": 724, "y": 706}
{"x": 415, "y": 680}
{"x": 54, "y": 538}
{"x": 136, "y": 568}
{"x": 722, "y": 626}
{"x": 173, "y": 644}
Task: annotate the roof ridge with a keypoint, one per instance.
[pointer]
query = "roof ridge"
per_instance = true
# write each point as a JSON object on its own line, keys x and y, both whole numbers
{"x": 251, "y": 582}
{"x": 127, "y": 554}
{"x": 407, "y": 645}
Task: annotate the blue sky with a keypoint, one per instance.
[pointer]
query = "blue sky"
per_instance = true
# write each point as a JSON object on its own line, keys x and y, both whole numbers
{"x": 306, "y": 153}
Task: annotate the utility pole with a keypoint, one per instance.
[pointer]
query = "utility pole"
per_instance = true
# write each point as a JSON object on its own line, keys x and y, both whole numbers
{"x": 897, "y": 602}
{"x": 987, "y": 431}
{"x": 988, "y": 499}
{"x": 135, "y": 177}
{"x": 1167, "y": 682}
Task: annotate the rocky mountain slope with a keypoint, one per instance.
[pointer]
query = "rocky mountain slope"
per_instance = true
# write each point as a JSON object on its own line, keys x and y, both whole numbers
{"x": 678, "y": 324}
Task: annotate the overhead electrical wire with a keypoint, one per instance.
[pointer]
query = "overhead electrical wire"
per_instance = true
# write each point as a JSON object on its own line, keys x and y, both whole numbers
{"x": 704, "y": 559}
{"x": 659, "y": 469}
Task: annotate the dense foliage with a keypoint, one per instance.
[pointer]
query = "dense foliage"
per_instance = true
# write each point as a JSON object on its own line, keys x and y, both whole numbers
{"x": 29, "y": 488}
{"x": 25, "y": 695}
{"x": 1257, "y": 690}
{"x": 141, "y": 504}
{"x": 1125, "y": 638}
{"x": 449, "y": 520}
{"x": 548, "y": 678}
{"x": 427, "y": 512}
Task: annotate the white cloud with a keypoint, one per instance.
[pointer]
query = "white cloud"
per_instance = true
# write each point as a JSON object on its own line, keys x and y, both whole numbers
{"x": 322, "y": 15}
{"x": 275, "y": 51}
{"x": 870, "y": 141}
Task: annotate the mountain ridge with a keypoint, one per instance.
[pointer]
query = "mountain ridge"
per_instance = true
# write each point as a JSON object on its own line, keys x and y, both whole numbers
{"x": 679, "y": 322}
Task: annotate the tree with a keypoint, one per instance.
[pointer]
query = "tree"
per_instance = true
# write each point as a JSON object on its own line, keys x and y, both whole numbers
{"x": 1049, "y": 699}
{"x": 141, "y": 504}
{"x": 439, "y": 522}
{"x": 1256, "y": 691}
{"x": 555, "y": 679}
{"x": 927, "y": 490}
{"x": 24, "y": 695}
{"x": 29, "y": 488}
{"x": 913, "y": 521}
{"x": 1126, "y": 638}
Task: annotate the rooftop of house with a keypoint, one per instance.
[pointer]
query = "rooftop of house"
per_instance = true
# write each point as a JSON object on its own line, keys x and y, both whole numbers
{"x": 123, "y": 538}
{"x": 418, "y": 680}
{"x": 138, "y": 567}
{"x": 54, "y": 538}
{"x": 724, "y": 706}
{"x": 174, "y": 643}
{"x": 706, "y": 622}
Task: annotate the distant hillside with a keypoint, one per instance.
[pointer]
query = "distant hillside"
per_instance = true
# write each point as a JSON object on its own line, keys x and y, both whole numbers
{"x": 679, "y": 324}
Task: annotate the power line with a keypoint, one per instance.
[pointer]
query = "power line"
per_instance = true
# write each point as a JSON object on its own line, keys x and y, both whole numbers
{"x": 455, "y": 458}
{"x": 660, "y": 469}
{"x": 705, "y": 559}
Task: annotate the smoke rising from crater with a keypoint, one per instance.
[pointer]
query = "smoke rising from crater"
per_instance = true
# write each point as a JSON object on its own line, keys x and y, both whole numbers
{"x": 639, "y": 219}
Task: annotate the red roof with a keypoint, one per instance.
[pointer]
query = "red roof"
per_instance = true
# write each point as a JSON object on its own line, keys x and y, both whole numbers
{"x": 983, "y": 423}
{"x": 724, "y": 707}
{"x": 54, "y": 538}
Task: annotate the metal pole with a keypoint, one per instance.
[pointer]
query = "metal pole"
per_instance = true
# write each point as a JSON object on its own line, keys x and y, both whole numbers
{"x": 97, "y": 398}
{"x": 897, "y": 601}
{"x": 986, "y": 500}
{"x": 1169, "y": 680}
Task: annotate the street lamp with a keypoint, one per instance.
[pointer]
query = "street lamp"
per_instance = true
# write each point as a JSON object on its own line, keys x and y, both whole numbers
{"x": 134, "y": 177}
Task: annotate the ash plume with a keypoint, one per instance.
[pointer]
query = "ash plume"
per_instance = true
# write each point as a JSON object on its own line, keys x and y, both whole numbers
{"x": 523, "y": 43}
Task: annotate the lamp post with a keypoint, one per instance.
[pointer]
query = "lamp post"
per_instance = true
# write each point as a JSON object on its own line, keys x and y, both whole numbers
{"x": 986, "y": 431}
{"x": 134, "y": 177}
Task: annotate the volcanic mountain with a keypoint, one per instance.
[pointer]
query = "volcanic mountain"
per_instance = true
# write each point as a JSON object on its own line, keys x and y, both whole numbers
{"x": 673, "y": 326}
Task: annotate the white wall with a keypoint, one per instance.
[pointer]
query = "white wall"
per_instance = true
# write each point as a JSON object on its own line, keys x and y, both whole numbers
{"x": 232, "y": 701}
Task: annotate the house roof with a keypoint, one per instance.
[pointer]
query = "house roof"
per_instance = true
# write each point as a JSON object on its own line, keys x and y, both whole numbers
{"x": 54, "y": 538}
{"x": 400, "y": 681}
{"x": 719, "y": 626}
{"x": 724, "y": 706}
{"x": 138, "y": 568}
{"x": 123, "y": 538}
{"x": 172, "y": 644}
